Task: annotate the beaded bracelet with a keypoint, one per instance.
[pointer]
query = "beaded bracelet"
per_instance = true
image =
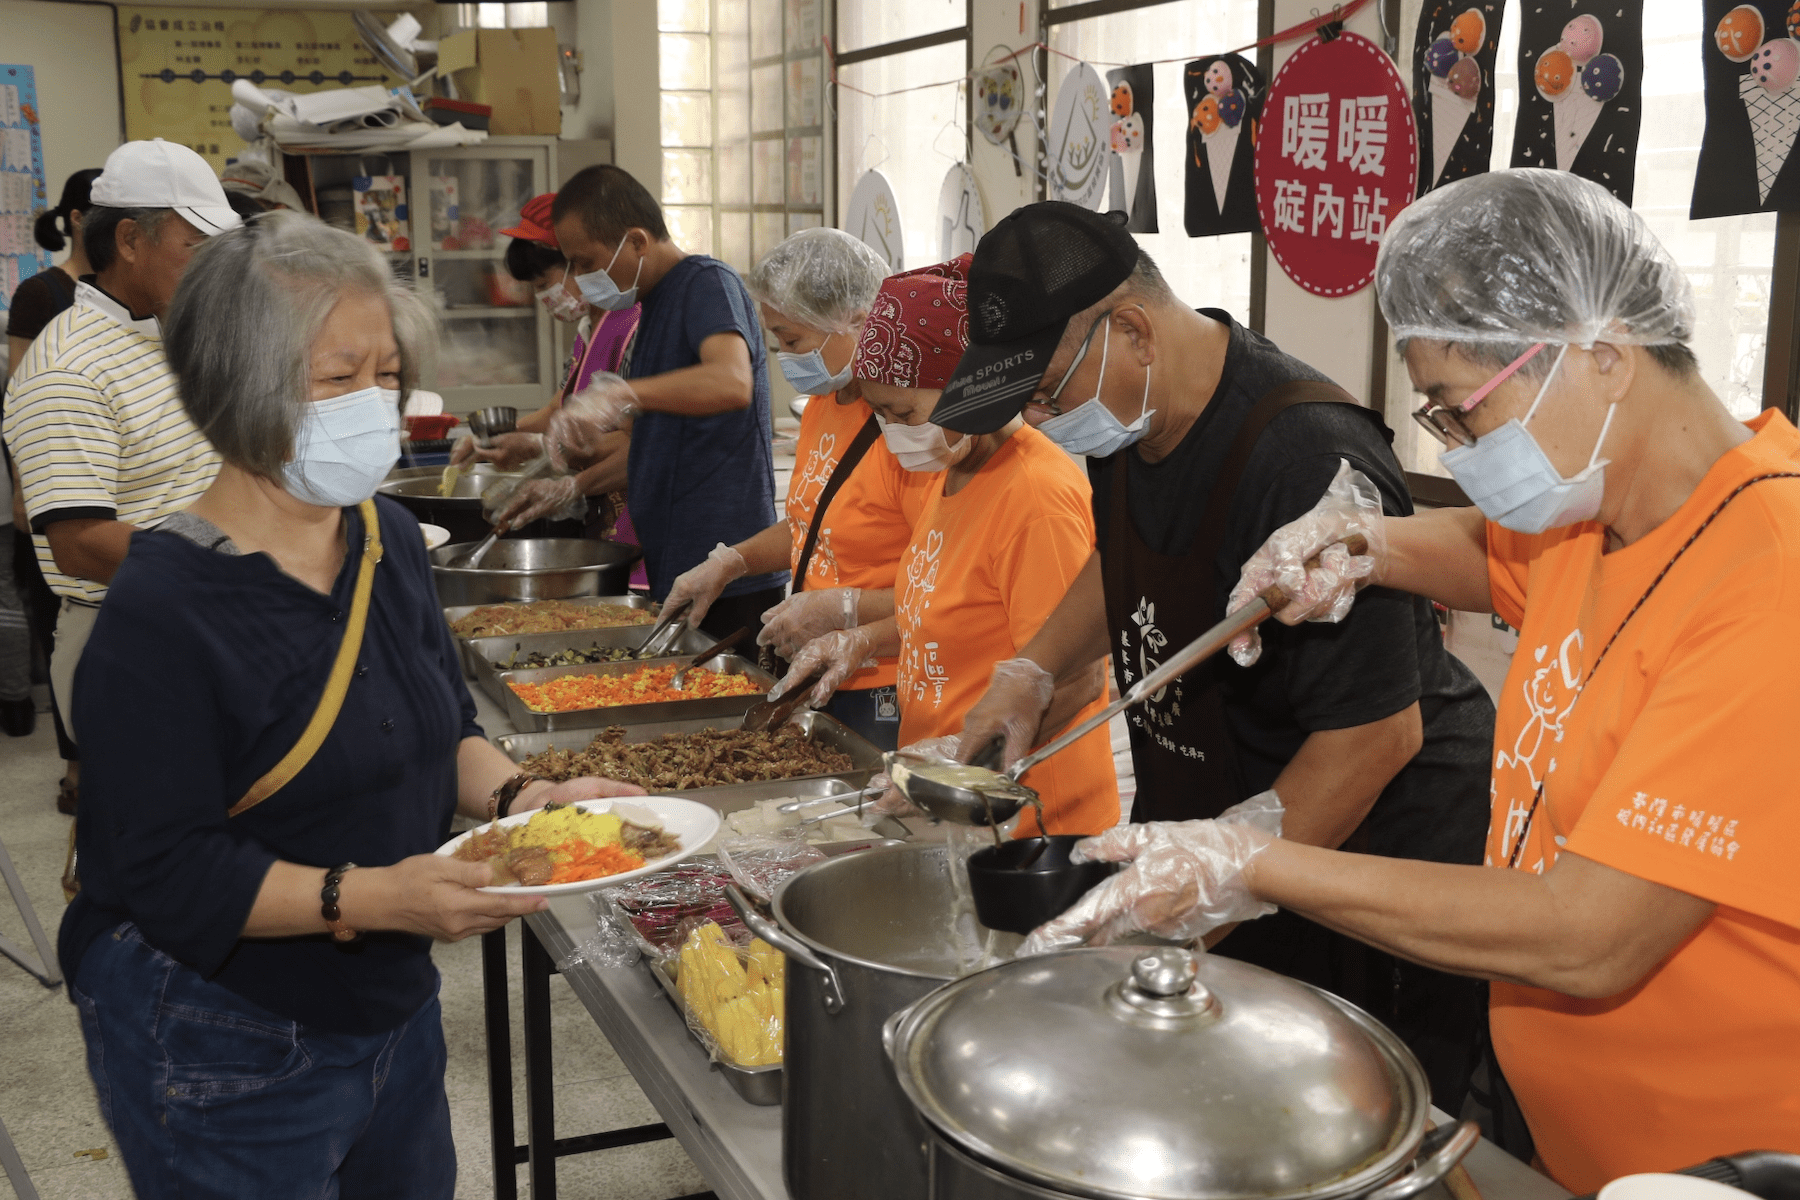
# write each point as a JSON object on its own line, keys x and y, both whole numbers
{"x": 328, "y": 905}
{"x": 500, "y": 802}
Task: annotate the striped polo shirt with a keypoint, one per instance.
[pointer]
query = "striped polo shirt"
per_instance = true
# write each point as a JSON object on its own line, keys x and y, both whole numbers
{"x": 96, "y": 428}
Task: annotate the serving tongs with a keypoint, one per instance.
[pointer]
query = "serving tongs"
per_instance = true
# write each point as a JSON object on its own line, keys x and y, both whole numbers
{"x": 767, "y": 715}
{"x": 973, "y": 793}
{"x": 718, "y": 647}
{"x": 664, "y": 632}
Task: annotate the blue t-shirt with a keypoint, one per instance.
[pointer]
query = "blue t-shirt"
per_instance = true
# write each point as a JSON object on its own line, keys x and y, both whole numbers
{"x": 698, "y": 481}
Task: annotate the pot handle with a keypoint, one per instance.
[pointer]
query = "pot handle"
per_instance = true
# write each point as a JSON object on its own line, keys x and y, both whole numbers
{"x": 1438, "y": 1155}
{"x": 776, "y": 936}
{"x": 890, "y": 1028}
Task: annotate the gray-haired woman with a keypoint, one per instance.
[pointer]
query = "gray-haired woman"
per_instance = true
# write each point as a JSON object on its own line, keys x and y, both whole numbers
{"x": 814, "y": 290}
{"x": 261, "y": 1014}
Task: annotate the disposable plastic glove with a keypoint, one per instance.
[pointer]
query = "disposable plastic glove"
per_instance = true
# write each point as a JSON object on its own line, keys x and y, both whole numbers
{"x": 557, "y": 497}
{"x": 1186, "y": 878}
{"x": 841, "y": 653}
{"x": 891, "y": 803}
{"x": 1018, "y": 695}
{"x": 606, "y": 405}
{"x": 804, "y": 616}
{"x": 1324, "y": 593}
{"x": 702, "y": 584}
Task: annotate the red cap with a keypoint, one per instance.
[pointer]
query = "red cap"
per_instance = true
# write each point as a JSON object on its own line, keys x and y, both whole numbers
{"x": 918, "y": 327}
{"x": 534, "y": 222}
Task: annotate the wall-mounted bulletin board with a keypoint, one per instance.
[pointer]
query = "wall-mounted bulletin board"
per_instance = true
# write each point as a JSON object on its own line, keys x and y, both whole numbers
{"x": 177, "y": 66}
{"x": 22, "y": 193}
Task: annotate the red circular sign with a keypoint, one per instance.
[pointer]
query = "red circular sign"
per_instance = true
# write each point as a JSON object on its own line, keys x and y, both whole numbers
{"x": 1336, "y": 160}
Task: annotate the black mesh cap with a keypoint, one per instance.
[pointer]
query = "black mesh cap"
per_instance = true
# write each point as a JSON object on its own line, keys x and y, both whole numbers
{"x": 1033, "y": 271}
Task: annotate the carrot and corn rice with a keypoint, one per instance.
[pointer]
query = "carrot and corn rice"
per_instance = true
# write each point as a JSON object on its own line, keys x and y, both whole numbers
{"x": 647, "y": 685}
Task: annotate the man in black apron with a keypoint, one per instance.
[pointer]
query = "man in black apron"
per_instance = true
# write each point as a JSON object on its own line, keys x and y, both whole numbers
{"x": 1202, "y": 438}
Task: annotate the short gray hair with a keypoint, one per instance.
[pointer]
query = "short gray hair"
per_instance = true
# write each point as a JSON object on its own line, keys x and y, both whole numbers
{"x": 100, "y": 231}
{"x": 1145, "y": 284}
{"x": 240, "y": 330}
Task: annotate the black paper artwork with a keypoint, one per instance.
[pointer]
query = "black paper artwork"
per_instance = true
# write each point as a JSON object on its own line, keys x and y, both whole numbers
{"x": 1583, "y": 105}
{"x": 1224, "y": 102}
{"x": 1751, "y": 61}
{"x": 1453, "y": 88}
{"x": 1131, "y": 167}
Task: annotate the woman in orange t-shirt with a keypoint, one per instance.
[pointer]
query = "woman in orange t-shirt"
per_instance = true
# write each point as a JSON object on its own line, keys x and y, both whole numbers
{"x": 1637, "y": 914}
{"x": 1006, "y": 528}
{"x": 815, "y": 289}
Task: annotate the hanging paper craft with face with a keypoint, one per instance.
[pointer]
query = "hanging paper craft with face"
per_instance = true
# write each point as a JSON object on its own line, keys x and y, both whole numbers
{"x": 1224, "y": 96}
{"x": 1582, "y": 112}
{"x": 1131, "y": 169}
{"x": 1453, "y": 80}
{"x": 1752, "y": 61}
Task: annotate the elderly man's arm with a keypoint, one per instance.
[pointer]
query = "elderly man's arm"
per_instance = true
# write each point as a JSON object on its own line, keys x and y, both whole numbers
{"x": 89, "y": 548}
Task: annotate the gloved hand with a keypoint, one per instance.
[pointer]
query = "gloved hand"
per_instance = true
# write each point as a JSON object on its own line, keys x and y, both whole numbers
{"x": 606, "y": 405}
{"x": 1186, "y": 878}
{"x": 891, "y": 803}
{"x": 556, "y": 497}
{"x": 701, "y": 584}
{"x": 1325, "y": 592}
{"x": 1018, "y": 695}
{"x": 804, "y": 616}
{"x": 840, "y": 653}
{"x": 508, "y": 451}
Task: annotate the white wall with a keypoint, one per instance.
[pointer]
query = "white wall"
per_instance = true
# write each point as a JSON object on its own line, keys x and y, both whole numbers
{"x": 70, "y": 48}
{"x": 636, "y": 83}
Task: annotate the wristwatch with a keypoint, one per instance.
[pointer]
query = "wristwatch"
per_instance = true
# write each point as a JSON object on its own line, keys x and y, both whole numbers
{"x": 500, "y": 802}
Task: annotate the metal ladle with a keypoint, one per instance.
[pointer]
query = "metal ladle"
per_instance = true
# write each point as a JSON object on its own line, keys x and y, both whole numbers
{"x": 973, "y": 794}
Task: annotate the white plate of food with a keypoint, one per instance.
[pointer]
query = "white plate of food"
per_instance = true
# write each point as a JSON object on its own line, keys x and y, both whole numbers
{"x": 435, "y": 535}
{"x": 590, "y": 835}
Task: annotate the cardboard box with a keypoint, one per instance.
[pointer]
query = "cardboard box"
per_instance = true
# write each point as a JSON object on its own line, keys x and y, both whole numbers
{"x": 514, "y": 71}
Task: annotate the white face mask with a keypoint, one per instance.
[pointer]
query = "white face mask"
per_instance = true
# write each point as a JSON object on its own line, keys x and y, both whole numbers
{"x": 345, "y": 448}
{"x": 1091, "y": 428}
{"x": 922, "y": 448}
{"x": 1514, "y": 483}
{"x": 599, "y": 290}
{"x": 561, "y": 305}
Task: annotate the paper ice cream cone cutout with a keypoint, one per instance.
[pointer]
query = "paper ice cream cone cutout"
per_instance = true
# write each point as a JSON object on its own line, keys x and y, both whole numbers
{"x": 1775, "y": 122}
{"x": 1131, "y": 161}
{"x": 1449, "y": 114}
{"x": 1221, "y": 148}
{"x": 1576, "y": 112}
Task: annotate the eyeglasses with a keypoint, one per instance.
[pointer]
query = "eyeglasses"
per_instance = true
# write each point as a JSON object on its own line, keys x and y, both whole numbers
{"x": 1445, "y": 422}
{"x": 1056, "y": 394}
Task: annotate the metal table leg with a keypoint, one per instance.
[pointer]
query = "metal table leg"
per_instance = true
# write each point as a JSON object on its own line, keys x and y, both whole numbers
{"x": 499, "y": 1048}
{"x": 43, "y": 963}
{"x": 15, "y": 1167}
{"x": 540, "y": 1098}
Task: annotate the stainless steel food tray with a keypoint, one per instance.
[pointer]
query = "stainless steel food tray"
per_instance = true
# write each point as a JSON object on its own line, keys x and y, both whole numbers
{"x": 524, "y": 720}
{"x": 485, "y": 658}
{"x": 457, "y": 612}
{"x": 865, "y": 758}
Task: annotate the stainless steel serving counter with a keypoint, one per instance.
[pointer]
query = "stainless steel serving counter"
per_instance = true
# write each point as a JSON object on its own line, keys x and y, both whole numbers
{"x": 737, "y": 1145}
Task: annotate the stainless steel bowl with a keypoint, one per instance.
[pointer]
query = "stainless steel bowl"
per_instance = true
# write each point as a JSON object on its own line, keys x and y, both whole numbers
{"x": 416, "y": 488}
{"x": 534, "y": 569}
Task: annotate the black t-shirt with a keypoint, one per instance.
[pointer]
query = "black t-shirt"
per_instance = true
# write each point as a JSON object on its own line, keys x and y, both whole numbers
{"x": 37, "y": 301}
{"x": 1387, "y": 653}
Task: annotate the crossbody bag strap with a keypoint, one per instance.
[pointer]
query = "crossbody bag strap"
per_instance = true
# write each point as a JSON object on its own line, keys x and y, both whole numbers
{"x": 337, "y": 684}
{"x": 865, "y": 437}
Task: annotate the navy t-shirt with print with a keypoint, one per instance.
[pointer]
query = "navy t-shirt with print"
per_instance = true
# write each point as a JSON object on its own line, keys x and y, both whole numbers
{"x": 698, "y": 481}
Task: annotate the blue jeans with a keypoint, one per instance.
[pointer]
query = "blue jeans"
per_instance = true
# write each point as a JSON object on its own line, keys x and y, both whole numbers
{"x": 212, "y": 1096}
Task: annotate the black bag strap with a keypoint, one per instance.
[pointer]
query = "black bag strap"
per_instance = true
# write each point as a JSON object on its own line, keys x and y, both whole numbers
{"x": 865, "y": 437}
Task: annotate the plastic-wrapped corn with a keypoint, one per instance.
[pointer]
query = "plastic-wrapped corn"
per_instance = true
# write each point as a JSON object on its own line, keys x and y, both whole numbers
{"x": 735, "y": 1001}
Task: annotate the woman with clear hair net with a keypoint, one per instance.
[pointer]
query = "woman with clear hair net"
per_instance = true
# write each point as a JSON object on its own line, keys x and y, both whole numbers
{"x": 814, "y": 291}
{"x": 1637, "y": 914}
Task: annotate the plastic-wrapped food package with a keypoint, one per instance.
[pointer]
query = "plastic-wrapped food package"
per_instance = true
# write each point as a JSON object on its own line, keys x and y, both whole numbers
{"x": 762, "y": 862}
{"x": 823, "y": 278}
{"x": 665, "y": 907}
{"x": 606, "y": 946}
{"x": 1530, "y": 255}
{"x": 734, "y": 999}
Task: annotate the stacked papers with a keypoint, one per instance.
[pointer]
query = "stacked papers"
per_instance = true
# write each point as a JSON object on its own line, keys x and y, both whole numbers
{"x": 372, "y": 119}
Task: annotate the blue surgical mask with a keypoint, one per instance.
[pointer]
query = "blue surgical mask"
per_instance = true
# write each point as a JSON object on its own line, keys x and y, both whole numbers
{"x": 599, "y": 290}
{"x": 1514, "y": 483}
{"x": 345, "y": 448}
{"x": 808, "y": 374}
{"x": 1090, "y": 428}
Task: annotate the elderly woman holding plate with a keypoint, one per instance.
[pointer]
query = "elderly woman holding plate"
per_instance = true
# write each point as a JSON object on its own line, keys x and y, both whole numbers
{"x": 274, "y": 699}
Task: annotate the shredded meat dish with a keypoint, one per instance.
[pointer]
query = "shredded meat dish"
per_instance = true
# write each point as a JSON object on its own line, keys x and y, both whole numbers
{"x": 547, "y": 616}
{"x": 710, "y": 758}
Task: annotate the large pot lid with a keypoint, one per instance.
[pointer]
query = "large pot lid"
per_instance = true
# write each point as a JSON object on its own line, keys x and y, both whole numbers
{"x": 1162, "y": 1074}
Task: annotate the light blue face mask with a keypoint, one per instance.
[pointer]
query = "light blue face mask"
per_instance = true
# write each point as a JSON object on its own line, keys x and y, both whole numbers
{"x": 1091, "y": 428}
{"x": 345, "y": 448}
{"x": 808, "y": 374}
{"x": 599, "y": 290}
{"x": 1514, "y": 483}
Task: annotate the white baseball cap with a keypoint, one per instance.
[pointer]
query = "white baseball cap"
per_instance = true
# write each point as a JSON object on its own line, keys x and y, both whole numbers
{"x": 159, "y": 174}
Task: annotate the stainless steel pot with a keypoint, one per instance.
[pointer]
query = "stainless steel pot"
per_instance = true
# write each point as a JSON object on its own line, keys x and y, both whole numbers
{"x": 865, "y": 935}
{"x": 416, "y": 488}
{"x": 1160, "y": 1074}
{"x": 534, "y": 569}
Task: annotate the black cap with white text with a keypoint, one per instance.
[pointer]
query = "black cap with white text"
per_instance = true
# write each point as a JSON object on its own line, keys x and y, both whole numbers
{"x": 1032, "y": 272}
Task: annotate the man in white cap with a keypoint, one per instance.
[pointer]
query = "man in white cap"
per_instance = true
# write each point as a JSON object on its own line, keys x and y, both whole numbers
{"x": 93, "y": 418}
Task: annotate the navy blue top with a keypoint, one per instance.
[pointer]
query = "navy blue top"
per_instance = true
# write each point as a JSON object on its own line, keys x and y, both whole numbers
{"x": 697, "y": 481}
{"x": 202, "y": 670}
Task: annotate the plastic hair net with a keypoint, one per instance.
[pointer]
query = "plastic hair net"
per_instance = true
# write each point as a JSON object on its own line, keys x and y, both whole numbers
{"x": 1530, "y": 255}
{"x": 820, "y": 277}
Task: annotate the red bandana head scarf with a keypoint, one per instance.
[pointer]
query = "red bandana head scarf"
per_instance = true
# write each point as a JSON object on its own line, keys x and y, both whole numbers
{"x": 918, "y": 327}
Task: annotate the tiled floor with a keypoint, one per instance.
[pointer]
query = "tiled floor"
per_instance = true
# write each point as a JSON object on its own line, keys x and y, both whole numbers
{"x": 47, "y": 1101}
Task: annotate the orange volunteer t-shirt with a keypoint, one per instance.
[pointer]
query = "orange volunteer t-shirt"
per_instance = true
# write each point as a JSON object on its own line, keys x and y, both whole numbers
{"x": 985, "y": 568}
{"x": 870, "y": 520}
{"x": 1676, "y": 767}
